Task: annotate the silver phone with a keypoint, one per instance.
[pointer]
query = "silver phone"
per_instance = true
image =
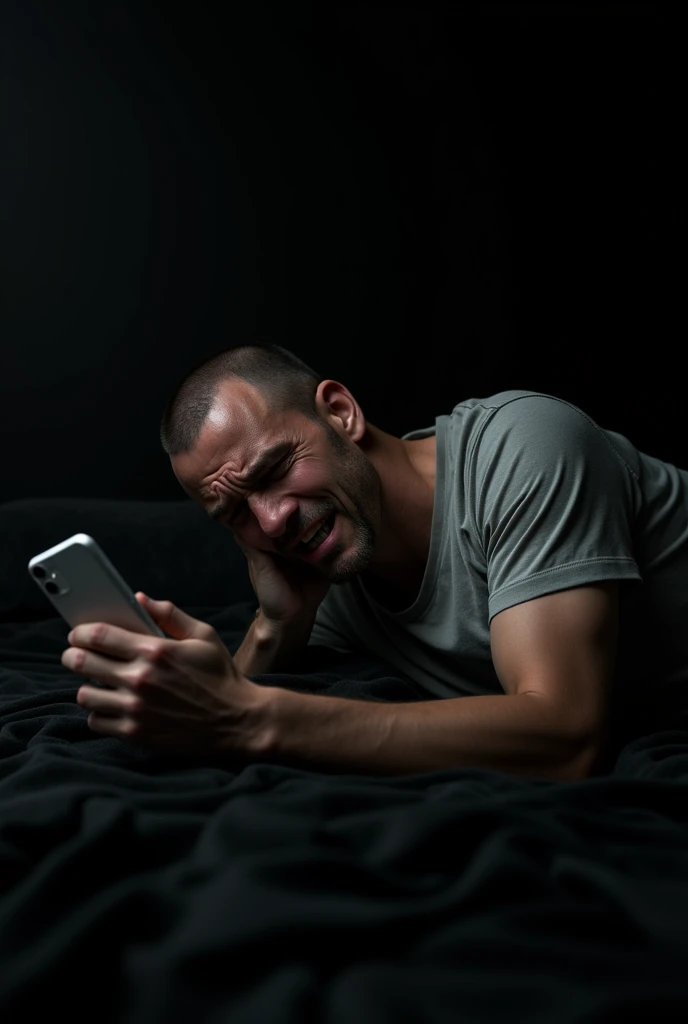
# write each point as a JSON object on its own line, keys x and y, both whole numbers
{"x": 84, "y": 586}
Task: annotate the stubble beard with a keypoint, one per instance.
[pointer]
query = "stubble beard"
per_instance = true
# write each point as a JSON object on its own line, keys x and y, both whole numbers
{"x": 360, "y": 482}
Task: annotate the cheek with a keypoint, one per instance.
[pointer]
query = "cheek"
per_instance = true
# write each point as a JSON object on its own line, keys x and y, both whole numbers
{"x": 309, "y": 475}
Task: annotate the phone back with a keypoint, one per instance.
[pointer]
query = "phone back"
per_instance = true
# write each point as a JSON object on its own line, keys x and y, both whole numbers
{"x": 84, "y": 586}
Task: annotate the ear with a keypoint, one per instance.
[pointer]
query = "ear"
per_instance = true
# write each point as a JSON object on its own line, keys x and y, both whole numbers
{"x": 337, "y": 405}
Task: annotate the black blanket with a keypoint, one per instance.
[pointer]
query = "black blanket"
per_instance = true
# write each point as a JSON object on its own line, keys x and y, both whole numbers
{"x": 146, "y": 889}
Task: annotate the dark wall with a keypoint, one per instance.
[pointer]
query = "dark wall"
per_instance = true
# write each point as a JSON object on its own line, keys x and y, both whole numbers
{"x": 429, "y": 202}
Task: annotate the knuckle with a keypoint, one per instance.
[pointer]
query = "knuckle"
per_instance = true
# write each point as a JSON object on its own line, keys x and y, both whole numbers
{"x": 155, "y": 652}
{"x": 140, "y": 676}
{"x": 134, "y": 705}
{"x": 78, "y": 658}
{"x": 130, "y": 727}
{"x": 98, "y": 632}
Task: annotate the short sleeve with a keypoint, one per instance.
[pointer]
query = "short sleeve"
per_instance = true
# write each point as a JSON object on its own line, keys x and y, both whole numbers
{"x": 554, "y": 501}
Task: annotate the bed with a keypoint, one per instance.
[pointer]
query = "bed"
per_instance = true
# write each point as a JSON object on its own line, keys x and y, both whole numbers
{"x": 146, "y": 889}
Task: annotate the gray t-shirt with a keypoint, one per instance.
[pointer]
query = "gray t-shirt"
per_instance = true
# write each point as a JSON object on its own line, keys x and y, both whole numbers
{"x": 531, "y": 496}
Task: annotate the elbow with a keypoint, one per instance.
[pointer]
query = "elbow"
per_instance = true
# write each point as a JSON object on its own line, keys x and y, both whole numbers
{"x": 579, "y": 745}
{"x": 586, "y": 760}
{"x": 589, "y": 752}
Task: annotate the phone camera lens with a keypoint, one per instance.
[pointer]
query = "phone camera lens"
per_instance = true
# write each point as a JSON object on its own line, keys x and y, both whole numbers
{"x": 52, "y": 587}
{"x": 39, "y": 572}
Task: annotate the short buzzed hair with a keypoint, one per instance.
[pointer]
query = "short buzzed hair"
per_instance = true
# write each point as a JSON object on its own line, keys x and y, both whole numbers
{"x": 285, "y": 380}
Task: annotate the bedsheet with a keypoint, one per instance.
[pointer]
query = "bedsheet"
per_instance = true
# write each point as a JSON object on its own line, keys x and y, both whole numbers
{"x": 149, "y": 889}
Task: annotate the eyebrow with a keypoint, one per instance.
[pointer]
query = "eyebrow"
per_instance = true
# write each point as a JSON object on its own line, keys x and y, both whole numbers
{"x": 264, "y": 461}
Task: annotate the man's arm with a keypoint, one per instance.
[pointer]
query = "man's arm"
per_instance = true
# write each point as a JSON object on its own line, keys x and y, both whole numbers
{"x": 270, "y": 647}
{"x": 554, "y": 656}
{"x": 289, "y": 596}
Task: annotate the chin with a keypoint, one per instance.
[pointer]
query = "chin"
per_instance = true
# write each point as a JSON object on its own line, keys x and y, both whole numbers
{"x": 347, "y": 565}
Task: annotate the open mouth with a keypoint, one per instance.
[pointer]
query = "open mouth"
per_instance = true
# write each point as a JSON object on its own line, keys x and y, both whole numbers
{"x": 313, "y": 539}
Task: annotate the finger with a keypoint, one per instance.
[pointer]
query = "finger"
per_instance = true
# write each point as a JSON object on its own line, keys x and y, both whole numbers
{"x": 242, "y": 545}
{"x": 108, "y": 725}
{"x": 111, "y": 640}
{"x": 172, "y": 619}
{"x": 113, "y": 703}
{"x": 95, "y": 666}
{"x": 254, "y": 555}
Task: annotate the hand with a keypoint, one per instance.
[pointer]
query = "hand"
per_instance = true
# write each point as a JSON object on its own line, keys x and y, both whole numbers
{"x": 288, "y": 592}
{"x": 181, "y": 695}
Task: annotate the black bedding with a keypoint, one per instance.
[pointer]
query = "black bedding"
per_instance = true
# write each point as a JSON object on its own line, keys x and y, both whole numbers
{"x": 148, "y": 889}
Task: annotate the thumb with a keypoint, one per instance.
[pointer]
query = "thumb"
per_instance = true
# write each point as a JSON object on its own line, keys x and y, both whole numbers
{"x": 172, "y": 620}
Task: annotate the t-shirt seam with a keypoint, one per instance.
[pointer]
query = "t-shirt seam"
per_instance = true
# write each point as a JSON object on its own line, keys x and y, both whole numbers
{"x": 517, "y": 398}
{"x": 562, "y": 401}
{"x": 565, "y": 565}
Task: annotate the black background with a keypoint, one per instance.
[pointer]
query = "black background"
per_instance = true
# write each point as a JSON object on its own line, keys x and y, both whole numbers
{"x": 427, "y": 201}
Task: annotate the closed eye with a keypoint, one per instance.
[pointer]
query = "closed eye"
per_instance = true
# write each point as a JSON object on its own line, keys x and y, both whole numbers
{"x": 278, "y": 470}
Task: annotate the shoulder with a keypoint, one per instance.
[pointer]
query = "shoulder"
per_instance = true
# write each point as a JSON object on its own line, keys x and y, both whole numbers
{"x": 520, "y": 407}
{"x": 523, "y": 435}
{"x": 516, "y": 419}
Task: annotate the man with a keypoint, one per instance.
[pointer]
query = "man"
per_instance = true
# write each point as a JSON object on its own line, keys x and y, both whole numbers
{"x": 514, "y": 559}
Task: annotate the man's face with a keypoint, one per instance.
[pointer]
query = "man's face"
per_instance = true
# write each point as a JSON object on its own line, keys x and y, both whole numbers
{"x": 284, "y": 483}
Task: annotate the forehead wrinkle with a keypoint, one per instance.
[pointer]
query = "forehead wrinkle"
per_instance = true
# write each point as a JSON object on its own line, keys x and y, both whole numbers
{"x": 244, "y": 476}
{"x": 228, "y": 476}
{"x": 252, "y": 466}
{"x": 223, "y": 496}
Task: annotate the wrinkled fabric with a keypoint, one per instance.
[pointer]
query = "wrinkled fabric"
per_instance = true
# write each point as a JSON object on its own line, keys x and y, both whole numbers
{"x": 145, "y": 889}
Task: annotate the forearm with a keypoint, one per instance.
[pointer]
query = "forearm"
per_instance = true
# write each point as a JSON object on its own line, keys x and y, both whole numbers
{"x": 522, "y": 734}
{"x": 268, "y": 648}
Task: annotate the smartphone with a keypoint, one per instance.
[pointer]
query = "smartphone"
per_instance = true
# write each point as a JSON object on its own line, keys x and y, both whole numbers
{"x": 84, "y": 586}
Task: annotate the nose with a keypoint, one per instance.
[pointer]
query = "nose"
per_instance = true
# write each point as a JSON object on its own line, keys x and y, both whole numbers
{"x": 272, "y": 512}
